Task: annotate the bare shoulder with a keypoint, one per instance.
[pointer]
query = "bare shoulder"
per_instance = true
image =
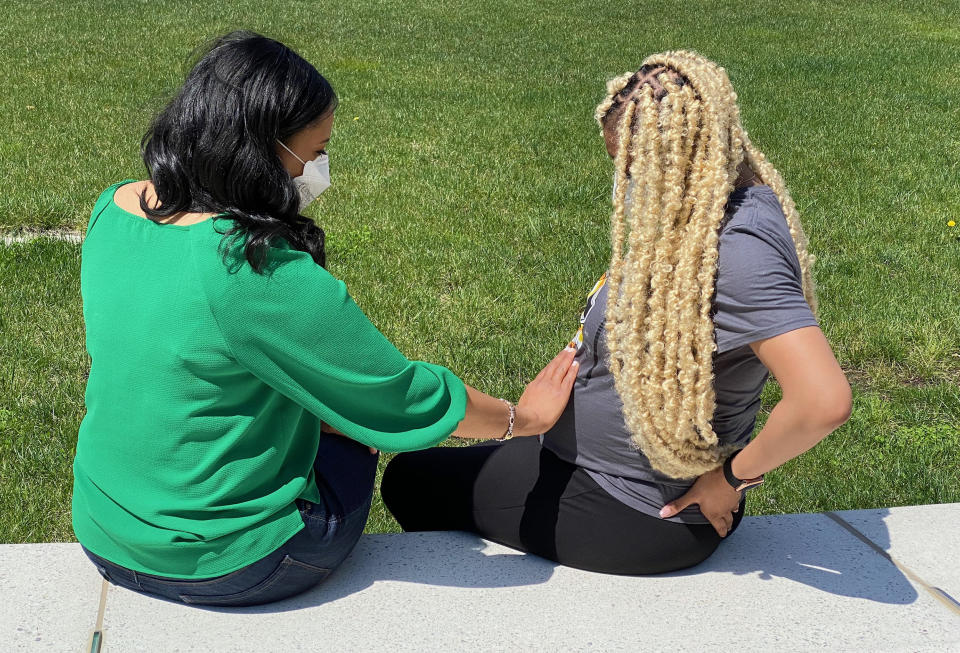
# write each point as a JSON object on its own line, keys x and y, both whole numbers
{"x": 127, "y": 197}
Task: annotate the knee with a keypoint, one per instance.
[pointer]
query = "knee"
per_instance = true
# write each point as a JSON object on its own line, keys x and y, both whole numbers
{"x": 393, "y": 485}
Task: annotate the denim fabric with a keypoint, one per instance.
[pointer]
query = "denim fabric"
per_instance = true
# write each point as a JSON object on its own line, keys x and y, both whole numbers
{"x": 345, "y": 472}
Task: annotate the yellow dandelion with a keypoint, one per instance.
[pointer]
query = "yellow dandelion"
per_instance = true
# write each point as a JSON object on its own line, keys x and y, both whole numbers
{"x": 356, "y": 117}
{"x": 951, "y": 223}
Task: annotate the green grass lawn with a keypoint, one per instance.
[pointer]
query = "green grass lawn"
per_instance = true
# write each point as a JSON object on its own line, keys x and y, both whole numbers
{"x": 470, "y": 197}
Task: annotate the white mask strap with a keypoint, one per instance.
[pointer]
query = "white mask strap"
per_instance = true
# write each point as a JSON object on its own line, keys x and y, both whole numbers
{"x": 291, "y": 152}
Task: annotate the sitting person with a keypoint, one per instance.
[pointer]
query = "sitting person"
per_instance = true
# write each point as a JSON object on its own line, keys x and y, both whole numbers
{"x": 708, "y": 289}
{"x": 219, "y": 342}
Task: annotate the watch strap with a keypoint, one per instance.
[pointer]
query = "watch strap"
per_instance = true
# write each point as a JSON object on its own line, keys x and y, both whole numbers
{"x": 736, "y": 483}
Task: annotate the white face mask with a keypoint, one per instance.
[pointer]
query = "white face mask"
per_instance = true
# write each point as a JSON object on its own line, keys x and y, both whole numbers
{"x": 315, "y": 178}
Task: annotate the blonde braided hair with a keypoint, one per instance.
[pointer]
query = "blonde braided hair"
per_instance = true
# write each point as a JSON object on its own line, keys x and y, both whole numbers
{"x": 680, "y": 145}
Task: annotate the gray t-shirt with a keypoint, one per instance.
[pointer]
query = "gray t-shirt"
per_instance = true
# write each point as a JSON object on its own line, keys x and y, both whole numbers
{"x": 759, "y": 295}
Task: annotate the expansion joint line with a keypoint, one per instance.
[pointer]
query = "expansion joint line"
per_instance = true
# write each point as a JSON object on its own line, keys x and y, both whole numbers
{"x": 96, "y": 637}
{"x": 937, "y": 593}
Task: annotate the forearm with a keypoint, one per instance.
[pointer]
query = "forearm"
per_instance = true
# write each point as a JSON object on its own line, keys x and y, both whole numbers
{"x": 488, "y": 417}
{"x": 792, "y": 428}
{"x": 538, "y": 409}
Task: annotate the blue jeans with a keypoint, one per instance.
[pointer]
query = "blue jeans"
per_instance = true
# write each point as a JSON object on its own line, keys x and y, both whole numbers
{"x": 345, "y": 472}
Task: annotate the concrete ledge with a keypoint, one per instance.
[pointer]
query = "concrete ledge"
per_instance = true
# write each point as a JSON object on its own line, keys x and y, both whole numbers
{"x": 781, "y": 583}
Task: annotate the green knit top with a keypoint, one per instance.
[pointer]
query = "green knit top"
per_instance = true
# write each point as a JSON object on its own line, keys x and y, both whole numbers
{"x": 208, "y": 384}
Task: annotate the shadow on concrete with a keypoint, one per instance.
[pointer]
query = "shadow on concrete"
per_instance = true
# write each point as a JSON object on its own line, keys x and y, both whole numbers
{"x": 813, "y": 550}
{"x": 445, "y": 559}
{"x": 806, "y": 548}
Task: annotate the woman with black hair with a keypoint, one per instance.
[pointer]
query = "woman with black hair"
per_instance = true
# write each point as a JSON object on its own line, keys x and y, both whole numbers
{"x": 220, "y": 346}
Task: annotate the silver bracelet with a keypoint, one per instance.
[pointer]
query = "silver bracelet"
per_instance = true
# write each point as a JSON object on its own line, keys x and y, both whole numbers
{"x": 513, "y": 416}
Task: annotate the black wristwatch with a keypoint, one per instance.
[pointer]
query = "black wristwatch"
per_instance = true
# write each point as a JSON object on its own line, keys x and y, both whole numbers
{"x": 739, "y": 484}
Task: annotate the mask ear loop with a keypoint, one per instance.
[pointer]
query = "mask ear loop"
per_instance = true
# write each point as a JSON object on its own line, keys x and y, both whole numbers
{"x": 291, "y": 152}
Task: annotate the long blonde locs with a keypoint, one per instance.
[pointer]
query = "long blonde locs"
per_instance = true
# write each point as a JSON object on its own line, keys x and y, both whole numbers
{"x": 679, "y": 149}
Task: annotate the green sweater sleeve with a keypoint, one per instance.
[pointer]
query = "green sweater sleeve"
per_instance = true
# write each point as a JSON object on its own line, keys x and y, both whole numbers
{"x": 297, "y": 329}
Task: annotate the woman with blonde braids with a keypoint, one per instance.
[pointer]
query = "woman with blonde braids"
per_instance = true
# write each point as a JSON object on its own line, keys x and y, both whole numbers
{"x": 708, "y": 291}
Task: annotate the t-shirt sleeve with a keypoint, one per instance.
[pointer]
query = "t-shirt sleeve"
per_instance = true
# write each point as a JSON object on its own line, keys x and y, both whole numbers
{"x": 759, "y": 287}
{"x": 297, "y": 329}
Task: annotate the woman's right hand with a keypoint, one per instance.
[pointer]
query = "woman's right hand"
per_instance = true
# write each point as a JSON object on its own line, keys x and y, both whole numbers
{"x": 718, "y": 501}
{"x": 544, "y": 398}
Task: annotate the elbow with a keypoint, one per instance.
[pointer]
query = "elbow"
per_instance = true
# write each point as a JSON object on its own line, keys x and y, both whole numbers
{"x": 825, "y": 408}
{"x": 835, "y": 405}
{"x": 839, "y": 415}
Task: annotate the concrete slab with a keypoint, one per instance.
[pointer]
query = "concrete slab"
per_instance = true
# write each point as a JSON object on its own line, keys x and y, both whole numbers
{"x": 924, "y": 538}
{"x": 49, "y": 594}
{"x": 781, "y": 583}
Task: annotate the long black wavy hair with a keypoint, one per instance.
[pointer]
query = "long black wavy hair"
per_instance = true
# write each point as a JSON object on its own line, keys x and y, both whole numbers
{"x": 213, "y": 148}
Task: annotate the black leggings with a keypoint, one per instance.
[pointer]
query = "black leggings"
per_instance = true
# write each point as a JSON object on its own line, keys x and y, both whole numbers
{"x": 521, "y": 495}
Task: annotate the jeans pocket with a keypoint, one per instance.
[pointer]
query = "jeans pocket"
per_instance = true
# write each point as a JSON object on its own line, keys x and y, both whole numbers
{"x": 314, "y": 512}
{"x": 291, "y": 577}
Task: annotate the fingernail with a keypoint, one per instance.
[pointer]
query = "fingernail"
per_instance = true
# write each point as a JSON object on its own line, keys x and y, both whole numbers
{"x": 576, "y": 363}
{"x": 664, "y": 512}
